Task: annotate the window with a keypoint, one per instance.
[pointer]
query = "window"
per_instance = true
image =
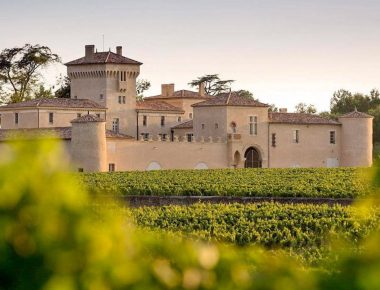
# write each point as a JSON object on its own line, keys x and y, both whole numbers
{"x": 273, "y": 139}
{"x": 75, "y": 97}
{"x": 16, "y": 118}
{"x": 115, "y": 125}
{"x": 119, "y": 99}
{"x": 123, "y": 99}
{"x": 162, "y": 121}
{"x": 253, "y": 125}
{"x": 98, "y": 115}
{"x": 233, "y": 127}
{"x": 190, "y": 115}
{"x": 79, "y": 115}
{"x": 189, "y": 137}
{"x": 203, "y": 126}
{"x": 216, "y": 125}
{"x": 145, "y": 136}
{"x": 145, "y": 121}
{"x": 123, "y": 76}
{"x": 80, "y": 170}
{"x": 163, "y": 136}
{"x": 332, "y": 137}
{"x": 296, "y": 136}
{"x": 179, "y": 119}
{"x": 51, "y": 118}
{"x": 101, "y": 96}
{"x": 111, "y": 167}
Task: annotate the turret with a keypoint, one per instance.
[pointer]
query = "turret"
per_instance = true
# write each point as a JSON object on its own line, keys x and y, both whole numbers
{"x": 88, "y": 144}
{"x": 357, "y": 145}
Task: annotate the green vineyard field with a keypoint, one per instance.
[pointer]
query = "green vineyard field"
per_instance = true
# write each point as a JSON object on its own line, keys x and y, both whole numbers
{"x": 321, "y": 182}
{"x": 268, "y": 224}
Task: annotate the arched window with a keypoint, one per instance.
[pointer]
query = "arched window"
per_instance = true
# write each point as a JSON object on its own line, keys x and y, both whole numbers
{"x": 153, "y": 166}
{"x": 233, "y": 127}
{"x": 236, "y": 159}
{"x": 201, "y": 165}
{"x": 252, "y": 158}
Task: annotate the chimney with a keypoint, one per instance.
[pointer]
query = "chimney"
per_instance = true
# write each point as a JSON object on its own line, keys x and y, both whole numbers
{"x": 283, "y": 110}
{"x": 167, "y": 90}
{"x": 202, "y": 91}
{"x": 89, "y": 50}
{"x": 119, "y": 50}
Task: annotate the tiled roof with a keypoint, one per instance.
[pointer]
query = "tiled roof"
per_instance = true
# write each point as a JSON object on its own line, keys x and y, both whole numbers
{"x": 185, "y": 125}
{"x": 41, "y": 133}
{"x": 356, "y": 114}
{"x": 299, "y": 118}
{"x": 230, "y": 99}
{"x": 182, "y": 94}
{"x": 157, "y": 106}
{"x": 104, "y": 58}
{"x": 87, "y": 119}
{"x": 56, "y": 103}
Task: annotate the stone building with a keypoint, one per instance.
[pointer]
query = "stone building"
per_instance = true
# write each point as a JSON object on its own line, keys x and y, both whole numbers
{"x": 104, "y": 127}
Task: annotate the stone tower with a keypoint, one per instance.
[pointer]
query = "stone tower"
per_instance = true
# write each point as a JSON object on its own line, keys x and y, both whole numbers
{"x": 88, "y": 144}
{"x": 110, "y": 79}
{"x": 356, "y": 139}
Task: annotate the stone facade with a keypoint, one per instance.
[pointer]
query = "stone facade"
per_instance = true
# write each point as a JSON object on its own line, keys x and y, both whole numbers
{"x": 105, "y": 129}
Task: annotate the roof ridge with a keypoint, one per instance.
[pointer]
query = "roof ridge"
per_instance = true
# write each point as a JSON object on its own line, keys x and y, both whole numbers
{"x": 229, "y": 96}
{"x": 108, "y": 55}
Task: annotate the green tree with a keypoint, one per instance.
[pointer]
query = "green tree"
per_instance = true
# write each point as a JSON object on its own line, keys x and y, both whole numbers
{"x": 64, "y": 89}
{"x": 213, "y": 84}
{"x": 20, "y": 69}
{"x": 273, "y": 108}
{"x": 344, "y": 101}
{"x": 246, "y": 94}
{"x": 141, "y": 87}
{"x": 41, "y": 92}
{"x": 305, "y": 109}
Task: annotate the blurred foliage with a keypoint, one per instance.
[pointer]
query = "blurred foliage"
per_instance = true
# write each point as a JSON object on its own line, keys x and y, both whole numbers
{"x": 51, "y": 238}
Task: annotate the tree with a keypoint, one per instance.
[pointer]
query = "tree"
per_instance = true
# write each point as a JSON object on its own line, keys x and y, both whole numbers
{"x": 141, "y": 87}
{"x": 273, "y": 108}
{"x": 213, "y": 84}
{"x": 246, "y": 94}
{"x": 305, "y": 109}
{"x": 20, "y": 70}
{"x": 41, "y": 92}
{"x": 65, "y": 88}
{"x": 344, "y": 101}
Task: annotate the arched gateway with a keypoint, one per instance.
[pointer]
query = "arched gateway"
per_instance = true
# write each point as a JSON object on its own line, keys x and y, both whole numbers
{"x": 252, "y": 158}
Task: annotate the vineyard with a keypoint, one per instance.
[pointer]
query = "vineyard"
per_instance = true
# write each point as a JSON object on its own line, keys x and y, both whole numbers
{"x": 305, "y": 228}
{"x": 321, "y": 182}
{"x": 267, "y": 224}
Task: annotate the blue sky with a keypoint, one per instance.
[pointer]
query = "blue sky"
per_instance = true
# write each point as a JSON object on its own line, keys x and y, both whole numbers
{"x": 284, "y": 51}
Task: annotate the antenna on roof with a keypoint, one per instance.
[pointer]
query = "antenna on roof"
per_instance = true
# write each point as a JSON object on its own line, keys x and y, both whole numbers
{"x": 103, "y": 41}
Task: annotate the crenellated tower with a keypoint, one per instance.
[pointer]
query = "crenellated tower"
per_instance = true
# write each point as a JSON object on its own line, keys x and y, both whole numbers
{"x": 110, "y": 79}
